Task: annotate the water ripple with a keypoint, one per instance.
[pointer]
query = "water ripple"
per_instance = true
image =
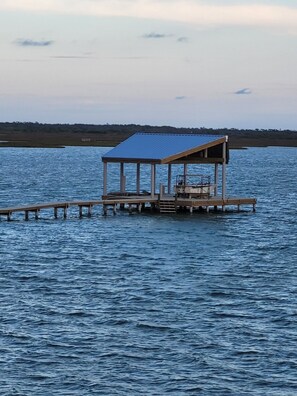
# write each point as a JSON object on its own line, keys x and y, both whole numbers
{"x": 142, "y": 304}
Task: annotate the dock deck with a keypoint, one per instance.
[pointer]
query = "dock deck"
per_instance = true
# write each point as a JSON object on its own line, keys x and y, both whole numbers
{"x": 164, "y": 204}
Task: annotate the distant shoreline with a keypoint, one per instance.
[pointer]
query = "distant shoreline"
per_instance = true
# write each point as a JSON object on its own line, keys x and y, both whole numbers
{"x": 61, "y": 135}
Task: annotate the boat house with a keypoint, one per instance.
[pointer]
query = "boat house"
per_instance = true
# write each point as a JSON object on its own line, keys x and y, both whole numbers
{"x": 184, "y": 188}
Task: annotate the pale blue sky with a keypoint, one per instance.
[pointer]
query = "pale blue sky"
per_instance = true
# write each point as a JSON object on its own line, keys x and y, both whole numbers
{"x": 185, "y": 63}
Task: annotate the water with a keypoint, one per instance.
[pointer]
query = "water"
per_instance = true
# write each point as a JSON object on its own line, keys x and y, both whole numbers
{"x": 148, "y": 304}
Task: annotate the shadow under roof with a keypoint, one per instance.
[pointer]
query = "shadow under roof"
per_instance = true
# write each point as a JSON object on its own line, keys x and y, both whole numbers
{"x": 161, "y": 147}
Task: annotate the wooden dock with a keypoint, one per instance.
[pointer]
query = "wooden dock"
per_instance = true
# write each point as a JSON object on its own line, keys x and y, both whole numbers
{"x": 164, "y": 204}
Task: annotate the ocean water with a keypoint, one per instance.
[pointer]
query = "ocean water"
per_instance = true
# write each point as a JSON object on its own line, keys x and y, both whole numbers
{"x": 202, "y": 304}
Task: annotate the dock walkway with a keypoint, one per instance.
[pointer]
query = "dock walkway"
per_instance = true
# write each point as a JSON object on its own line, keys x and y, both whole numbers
{"x": 36, "y": 208}
{"x": 132, "y": 202}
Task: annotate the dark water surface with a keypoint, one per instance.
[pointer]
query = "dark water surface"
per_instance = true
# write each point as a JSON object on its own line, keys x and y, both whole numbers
{"x": 148, "y": 304}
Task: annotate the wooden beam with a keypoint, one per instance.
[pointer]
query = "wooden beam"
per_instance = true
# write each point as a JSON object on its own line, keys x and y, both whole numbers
{"x": 89, "y": 210}
{"x": 224, "y": 171}
{"x": 216, "y": 179}
{"x": 169, "y": 179}
{"x": 194, "y": 150}
{"x": 104, "y": 178}
{"x": 122, "y": 181}
{"x": 185, "y": 173}
{"x": 153, "y": 179}
{"x": 138, "y": 178}
{"x": 209, "y": 160}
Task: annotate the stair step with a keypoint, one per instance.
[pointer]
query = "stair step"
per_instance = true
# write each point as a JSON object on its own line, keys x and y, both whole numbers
{"x": 167, "y": 207}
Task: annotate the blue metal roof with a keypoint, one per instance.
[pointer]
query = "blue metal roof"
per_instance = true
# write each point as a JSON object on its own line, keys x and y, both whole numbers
{"x": 158, "y": 146}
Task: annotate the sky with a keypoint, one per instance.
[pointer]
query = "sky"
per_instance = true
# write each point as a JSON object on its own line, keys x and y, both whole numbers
{"x": 183, "y": 63}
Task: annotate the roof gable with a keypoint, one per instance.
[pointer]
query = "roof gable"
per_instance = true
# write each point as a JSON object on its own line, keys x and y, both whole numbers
{"x": 161, "y": 147}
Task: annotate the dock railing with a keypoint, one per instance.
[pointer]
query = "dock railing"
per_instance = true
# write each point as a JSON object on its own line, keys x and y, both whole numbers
{"x": 194, "y": 185}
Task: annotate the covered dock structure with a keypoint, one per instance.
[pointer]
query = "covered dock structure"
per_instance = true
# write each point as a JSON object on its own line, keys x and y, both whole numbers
{"x": 188, "y": 190}
{"x": 184, "y": 189}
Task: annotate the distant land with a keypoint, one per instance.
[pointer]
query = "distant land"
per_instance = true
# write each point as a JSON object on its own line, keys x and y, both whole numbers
{"x": 29, "y": 134}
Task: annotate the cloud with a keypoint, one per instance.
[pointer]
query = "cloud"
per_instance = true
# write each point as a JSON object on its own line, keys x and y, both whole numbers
{"x": 33, "y": 43}
{"x": 195, "y": 12}
{"x": 243, "y": 91}
{"x": 183, "y": 39}
{"x": 71, "y": 57}
{"x": 180, "y": 97}
{"x": 155, "y": 35}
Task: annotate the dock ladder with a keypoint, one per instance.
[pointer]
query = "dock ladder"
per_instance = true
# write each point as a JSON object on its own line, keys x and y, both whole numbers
{"x": 167, "y": 206}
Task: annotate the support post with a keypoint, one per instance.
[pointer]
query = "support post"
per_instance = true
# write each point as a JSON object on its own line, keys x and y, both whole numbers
{"x": 36, "y": 214}
{"x": 26, "y": 215}
{"x": 138, "y": 179}
{"x": 185, "y": 173}
{"x": 104, "y": 178}
{"x": 153, "y": 180}
{"x": 80, "y": 211}
{"x": 161, "y": 190}
{"x": 224, "y": 170}
{"x": 89, "y": 210}
{"x": 65, "y": 212}
{"x": 122, "y": 178}
{"x": 55, "y": 212}
{"x": 169, "y": 179}
{"x": 223, "y": 181}
{"x": 216, "y": 179}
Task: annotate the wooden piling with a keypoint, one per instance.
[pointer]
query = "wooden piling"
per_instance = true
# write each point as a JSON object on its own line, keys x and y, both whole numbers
{"x": 89, "y": 210}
